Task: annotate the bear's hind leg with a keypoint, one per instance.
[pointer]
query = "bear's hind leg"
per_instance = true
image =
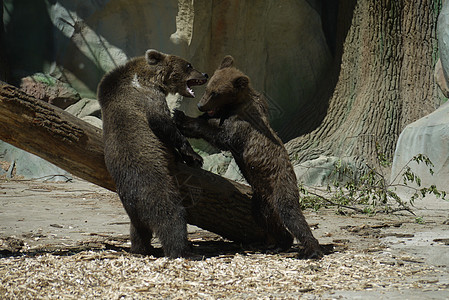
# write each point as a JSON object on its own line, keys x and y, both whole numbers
{"x": 278, "y": 238}
{"x": 283, "y": 238}
{"x": 172, "y": 232}
{"x": 167, "y": 219}
{"x": 291, "y": 215}
{"x": 141, "y": 240}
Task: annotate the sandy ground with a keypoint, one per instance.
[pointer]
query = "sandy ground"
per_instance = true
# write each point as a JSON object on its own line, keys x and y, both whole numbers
{"x": 61, "y": 220}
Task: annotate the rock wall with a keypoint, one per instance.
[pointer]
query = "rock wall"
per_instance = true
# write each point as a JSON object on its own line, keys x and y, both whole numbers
{"x": 279, "y": 44}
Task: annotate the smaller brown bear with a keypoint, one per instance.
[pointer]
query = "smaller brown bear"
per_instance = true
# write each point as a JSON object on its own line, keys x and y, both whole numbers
{"x": 141, "y": 143}
{"x": 236, "y": 120}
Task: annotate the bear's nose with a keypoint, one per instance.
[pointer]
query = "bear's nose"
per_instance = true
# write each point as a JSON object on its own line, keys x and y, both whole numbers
{"x": 200, "y": 107}
{"x": 205, "y": 75}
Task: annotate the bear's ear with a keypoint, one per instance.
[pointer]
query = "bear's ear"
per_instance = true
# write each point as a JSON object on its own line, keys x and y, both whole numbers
{"x": 227, "y": 62}
{"x": 241, "y": 82}
{"x": 153, "y": 56}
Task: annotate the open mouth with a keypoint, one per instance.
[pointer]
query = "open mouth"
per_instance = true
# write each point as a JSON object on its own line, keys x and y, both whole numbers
{"x": 209, "y": 112}
{"x": 193, "y": 82}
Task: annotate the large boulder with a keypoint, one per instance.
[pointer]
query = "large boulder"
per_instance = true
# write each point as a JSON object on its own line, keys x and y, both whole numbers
{"x": 87, "y": 110}
{"x": 428, "y": 136}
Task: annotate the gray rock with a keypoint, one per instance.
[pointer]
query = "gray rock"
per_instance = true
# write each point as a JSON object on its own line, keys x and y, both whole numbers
{"x": 97, "y": 122}
{"x": 217, "y": 163}
{"x": 233, "y": 173}
{"x": 85, "y": 107}
{"x": 441, "y": 79}
{"x": 429, "y": 136}
{"x": 321, "y": 171}
{"x": 29, "y": 166}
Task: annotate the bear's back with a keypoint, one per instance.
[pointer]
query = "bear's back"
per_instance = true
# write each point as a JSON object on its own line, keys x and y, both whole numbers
{"x": 264, "y": 159}
{"x": 129, "y": 141}
{"x": 115, "y": 85}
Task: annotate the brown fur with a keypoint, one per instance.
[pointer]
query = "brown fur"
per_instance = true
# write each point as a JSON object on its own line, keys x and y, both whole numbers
{"x": 237, "y": 121}
{"x": 141, "y": 143}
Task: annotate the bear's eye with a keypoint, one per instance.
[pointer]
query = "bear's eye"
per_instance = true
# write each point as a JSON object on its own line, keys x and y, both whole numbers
{"x": 189, "y": 67}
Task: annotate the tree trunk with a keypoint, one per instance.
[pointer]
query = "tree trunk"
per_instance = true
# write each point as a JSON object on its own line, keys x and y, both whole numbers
{"x": 212, "y": 202}
{"x": 384, "y": 83}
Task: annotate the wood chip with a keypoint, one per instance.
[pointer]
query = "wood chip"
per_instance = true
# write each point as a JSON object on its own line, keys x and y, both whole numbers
{"x": 111, "y": 274}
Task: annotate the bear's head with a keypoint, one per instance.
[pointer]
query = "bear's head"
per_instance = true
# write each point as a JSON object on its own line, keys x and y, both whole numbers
{"x": 226, "y": 90}
{"x": 175, "y": 74}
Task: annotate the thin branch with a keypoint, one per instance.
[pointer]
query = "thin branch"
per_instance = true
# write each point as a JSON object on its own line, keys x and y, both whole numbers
{"x": 336, "y": 204}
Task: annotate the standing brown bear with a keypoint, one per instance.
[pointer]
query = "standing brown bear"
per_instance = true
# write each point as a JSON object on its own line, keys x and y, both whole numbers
{"x": 237, "y": 121}
{"x": 141, "y": 142}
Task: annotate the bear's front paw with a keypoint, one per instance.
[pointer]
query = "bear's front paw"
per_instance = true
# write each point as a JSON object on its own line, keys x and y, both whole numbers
{"x": 193, "y": 159}
{"x": 190, "y": 156}
{"x": 178, "y": 117}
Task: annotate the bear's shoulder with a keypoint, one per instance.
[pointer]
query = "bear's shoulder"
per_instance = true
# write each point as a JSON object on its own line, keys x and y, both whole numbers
{"x": 122, "y": 79}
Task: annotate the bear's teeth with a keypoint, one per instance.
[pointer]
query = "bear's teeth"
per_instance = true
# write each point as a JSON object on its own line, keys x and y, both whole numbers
{"x": 190, "y": 91}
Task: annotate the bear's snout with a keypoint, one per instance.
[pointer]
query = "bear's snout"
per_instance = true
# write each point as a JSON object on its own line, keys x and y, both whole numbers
{"x": 201, "y": 106}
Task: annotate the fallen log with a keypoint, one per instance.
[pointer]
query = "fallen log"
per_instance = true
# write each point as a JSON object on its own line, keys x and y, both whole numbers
{"x": 213, "y": 203}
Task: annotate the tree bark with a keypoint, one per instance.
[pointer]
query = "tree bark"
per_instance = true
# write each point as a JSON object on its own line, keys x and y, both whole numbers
{"x": 384, "y": 81}
{"x": 212, "y": 202}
